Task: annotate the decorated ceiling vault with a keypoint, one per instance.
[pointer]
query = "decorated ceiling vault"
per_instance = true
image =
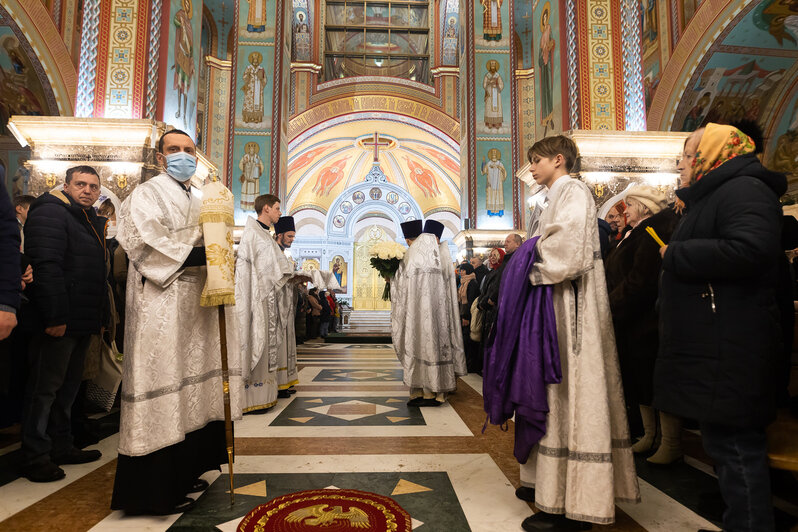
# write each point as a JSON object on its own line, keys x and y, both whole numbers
{"x": 361, "y": 114}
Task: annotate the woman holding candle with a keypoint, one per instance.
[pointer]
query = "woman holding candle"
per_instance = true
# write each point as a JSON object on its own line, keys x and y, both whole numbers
{"x": 632, "y": 270}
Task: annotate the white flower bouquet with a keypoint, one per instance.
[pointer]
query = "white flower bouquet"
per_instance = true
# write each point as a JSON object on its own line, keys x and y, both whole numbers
{"x": 385, "y": 258}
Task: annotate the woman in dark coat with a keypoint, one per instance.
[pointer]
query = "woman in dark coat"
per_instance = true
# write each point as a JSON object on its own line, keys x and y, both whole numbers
{"x": 467, "y": 293}
{"x": 719, "y": 321}
{"x": 490, "y": 289}
{"x": 632, "y": 270}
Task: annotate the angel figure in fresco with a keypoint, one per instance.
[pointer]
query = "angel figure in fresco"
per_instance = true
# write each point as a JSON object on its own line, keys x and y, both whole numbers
{"x": 496, "y": 175}
{"x": 423, "y": 178}
{"x": 491, "y": 20}
{"x": 251, "y": 166}
{"x": 305, "y": 159}
{"x": 256, "y": 16}
{"x": 329, "y": 176}
{"x": 184, "y": 58}
{"x": 546, "y": 64}
{"x": 254, "y": 83}
{"x": 493, "y": 85}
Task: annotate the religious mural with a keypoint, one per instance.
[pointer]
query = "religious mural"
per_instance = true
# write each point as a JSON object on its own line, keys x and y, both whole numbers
{"x": 650, "y": 48}
{"x": 338, "y": 269}
{"x": 251, "y": 166}
{"x": 493, "y": 114}
{"x": 450, "y": 38}
{"x": 256, "y": 16}
{"x": 180, "y": 101}
{"x": 524, "y": 35}
{"x": 21, "y": 92}
{"x": 302, "y": 31}
{"x": 784, "y": 149}
{"x": 548, "y": 70}
{"x": 495, "y": 174}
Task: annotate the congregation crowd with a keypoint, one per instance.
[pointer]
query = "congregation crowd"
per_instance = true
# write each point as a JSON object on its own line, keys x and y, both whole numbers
{"x": 588, "y": 333}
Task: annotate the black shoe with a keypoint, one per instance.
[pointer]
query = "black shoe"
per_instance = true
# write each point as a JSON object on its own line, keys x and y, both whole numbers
{"x": 431, "y": 402}
{"x": 76, "y": 456}
{"x": 416, "y": 401}
{"x": 46, "y": 472}
{"x": 199, "y": 485}
{"x": 560, "y": 523}
{"x": 525, "y": 494}
{"x": 283, "y": 394}
{"x": 291, "y": 391}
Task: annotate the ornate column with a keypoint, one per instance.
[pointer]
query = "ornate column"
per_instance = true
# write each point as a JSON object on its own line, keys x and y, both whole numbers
{"x": 217, "y": 116}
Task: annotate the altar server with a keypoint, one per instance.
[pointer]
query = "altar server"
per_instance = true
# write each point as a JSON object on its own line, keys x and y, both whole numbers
{"x": 262, "y": 272}
{"x": 584, "y": 463}
{"x": 172, "y": 427}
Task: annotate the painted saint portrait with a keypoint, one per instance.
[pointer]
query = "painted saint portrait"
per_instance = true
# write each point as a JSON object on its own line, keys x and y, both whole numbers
{"x": 493, "y": 85}
{"x": 338, "y": 269}
{"x": 302, "y": 41}
{"x": 254, "y": 83}
{"x": 546, "y": 65}
{"x": 251, "y": 166}
{"x": 450, "y": 41}
{"x": 492, "y": 20}
{"x": 496, "y": 175}
{"x": 256, "y": 16}
{"x": 183, "y": 58}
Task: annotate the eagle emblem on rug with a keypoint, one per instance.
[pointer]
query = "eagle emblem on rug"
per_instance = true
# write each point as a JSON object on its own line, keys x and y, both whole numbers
{"x": 318, "y": 515}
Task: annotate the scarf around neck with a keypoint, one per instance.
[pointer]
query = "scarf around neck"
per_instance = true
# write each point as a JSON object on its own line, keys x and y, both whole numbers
{"x": 463, "y": 291}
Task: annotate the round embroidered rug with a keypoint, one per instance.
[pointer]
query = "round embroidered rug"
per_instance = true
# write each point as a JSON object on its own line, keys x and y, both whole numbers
{"x": 330, "y": 510}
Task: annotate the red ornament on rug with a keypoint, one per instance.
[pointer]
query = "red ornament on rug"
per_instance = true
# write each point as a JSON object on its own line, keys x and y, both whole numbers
{"x": 331, "y": 510}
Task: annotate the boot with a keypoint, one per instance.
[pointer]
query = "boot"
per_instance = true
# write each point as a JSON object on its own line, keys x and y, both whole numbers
{"x": 670, "y": 450}
{"x": 646, "y": 443}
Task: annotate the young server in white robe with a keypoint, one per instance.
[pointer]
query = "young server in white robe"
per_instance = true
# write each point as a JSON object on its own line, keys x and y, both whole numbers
{"x": 263, "y": 272}
{"x": 584, "y": 463}
{"x": 172, "y": 427}
{"x": 420, "y": 318}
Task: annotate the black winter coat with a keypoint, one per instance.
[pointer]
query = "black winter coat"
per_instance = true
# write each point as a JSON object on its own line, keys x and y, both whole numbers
{"x": 66, "y": 245}
{"x": 719, "y": 322}
{"x": 10, "y": 275}
{"x": 632, "y": 270}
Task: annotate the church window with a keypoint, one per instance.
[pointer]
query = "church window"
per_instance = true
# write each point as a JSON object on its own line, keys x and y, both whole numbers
{"x": 377, "y": 38}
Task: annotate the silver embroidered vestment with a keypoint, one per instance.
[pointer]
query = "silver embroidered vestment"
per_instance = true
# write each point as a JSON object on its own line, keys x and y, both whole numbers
{"x": 584, "y": 463}
{"x": 172, "y": 377}
{"x": 421, "y": 318}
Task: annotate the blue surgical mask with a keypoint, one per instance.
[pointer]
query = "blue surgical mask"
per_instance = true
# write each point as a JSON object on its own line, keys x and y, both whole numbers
{"x": 181, "y": 166}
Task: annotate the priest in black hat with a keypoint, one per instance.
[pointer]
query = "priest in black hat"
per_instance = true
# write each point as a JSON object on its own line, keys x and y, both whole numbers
{"x": 420, "y": 319}
{"x": 285, "y": 232}
{"x": 435, "y": 228}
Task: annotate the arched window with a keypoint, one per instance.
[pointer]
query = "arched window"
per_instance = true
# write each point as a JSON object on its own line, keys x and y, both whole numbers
{"x": 377, "y": 38}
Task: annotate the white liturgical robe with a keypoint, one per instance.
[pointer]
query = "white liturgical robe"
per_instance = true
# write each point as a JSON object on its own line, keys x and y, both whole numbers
{"x": 262, "y": 274}
{"x": 584, "y": 463}
{"x": 421, "y": 315}
{"x": 172, "y": 374}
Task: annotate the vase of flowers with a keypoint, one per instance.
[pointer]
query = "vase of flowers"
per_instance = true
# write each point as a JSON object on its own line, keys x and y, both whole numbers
{"x": 385, "y": 258}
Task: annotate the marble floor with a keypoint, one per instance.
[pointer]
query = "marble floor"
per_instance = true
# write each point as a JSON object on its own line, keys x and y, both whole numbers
{"x": 348, "y": 427}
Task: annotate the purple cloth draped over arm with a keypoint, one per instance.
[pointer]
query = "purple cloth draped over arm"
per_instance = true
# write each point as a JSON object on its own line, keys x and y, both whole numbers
{"x": 525, "y": 354}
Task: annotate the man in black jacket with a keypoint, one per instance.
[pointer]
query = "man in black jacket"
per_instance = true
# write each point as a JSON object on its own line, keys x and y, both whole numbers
{"x": 65, "y": 240}
{"x": 9, "y": 264}
{"x": 720, "y": 339}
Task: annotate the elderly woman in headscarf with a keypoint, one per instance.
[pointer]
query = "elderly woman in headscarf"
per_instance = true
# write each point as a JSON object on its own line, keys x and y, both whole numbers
{"x": 719, "y": 330}
{"x": 632, "y": 271}
{"x": 466, "y": 294}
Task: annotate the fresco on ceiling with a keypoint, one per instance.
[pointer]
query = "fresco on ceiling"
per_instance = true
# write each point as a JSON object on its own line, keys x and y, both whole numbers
{"x": 548, "y": 76}
{"x": 21, "y": 92}
{"x": 784, "y": 141}
{"x": 771, "y": 24}
{"x": 321, "y": 167}
{"x": 731, "y": 87}
{"x": 180, "y": 100}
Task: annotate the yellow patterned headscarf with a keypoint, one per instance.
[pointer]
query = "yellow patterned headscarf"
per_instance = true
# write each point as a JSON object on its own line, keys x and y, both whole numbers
{"x": 719, "y": 144}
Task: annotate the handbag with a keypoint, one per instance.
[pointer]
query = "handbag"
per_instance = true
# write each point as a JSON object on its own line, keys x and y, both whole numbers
{"x": 477, "y": 317}
{"x": 101, "y": 390}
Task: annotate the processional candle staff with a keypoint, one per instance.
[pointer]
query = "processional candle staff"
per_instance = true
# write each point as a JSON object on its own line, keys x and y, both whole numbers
{"x": 216, "y": 218}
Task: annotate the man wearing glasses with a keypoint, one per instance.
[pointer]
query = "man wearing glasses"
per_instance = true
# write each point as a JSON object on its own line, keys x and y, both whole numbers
{"x": 65, "y": 240}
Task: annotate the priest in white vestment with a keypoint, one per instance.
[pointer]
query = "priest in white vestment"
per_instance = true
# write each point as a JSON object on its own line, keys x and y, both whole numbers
{"x": 584, "y": 463}
{"x": 172, "y": 428}
{"x": 287, "y": 376}
{"x": 263, "y": 272}
{"x": 421, "y": 316}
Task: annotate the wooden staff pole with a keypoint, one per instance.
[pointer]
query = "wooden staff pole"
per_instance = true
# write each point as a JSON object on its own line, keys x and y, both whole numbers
{"x": 228, "y": 418}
